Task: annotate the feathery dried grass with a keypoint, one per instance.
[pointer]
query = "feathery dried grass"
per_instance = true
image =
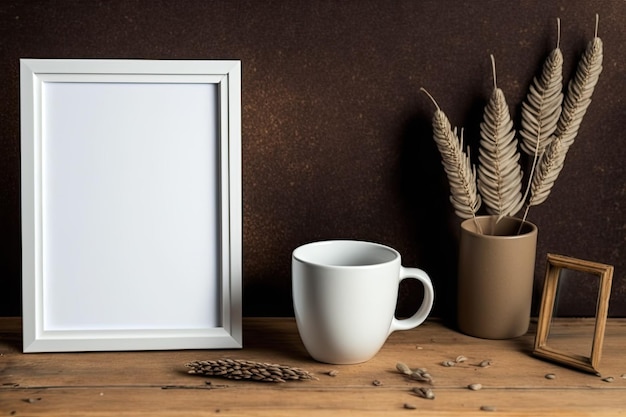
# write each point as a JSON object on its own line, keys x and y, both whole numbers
{"x": 499, "y": 172}
{"x": 550, "y": 123}
{"x": 542, "y": 108}
{"x": 456, "y": 163}
{"x": 576, "y": 102}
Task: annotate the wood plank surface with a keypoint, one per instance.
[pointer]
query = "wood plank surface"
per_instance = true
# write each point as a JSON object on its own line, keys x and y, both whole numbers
{"x": 156, "y": 383}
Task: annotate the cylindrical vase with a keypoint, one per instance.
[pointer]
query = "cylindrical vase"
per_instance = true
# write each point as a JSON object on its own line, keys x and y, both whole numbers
{"x": 495, "y": 277}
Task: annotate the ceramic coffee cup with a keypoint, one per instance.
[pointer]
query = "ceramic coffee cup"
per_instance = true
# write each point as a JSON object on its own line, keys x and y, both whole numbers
{"x": 344, "y": 296}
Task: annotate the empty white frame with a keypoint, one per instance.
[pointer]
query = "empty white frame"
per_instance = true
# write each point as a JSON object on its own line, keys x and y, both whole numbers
{"x": 131, "y": 204}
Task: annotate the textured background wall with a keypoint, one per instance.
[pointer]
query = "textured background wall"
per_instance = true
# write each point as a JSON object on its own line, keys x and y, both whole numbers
{"x": 336, "y": 135}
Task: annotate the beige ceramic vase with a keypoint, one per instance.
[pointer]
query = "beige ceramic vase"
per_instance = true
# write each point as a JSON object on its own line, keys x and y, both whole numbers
{"x": 496, "y": 273}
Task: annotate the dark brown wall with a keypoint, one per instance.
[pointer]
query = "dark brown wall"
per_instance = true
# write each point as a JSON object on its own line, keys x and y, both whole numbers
{"x": 336, "y": 135}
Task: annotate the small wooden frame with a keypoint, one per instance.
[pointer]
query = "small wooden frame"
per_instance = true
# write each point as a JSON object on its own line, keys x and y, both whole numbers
{"x": 556, "y": 263}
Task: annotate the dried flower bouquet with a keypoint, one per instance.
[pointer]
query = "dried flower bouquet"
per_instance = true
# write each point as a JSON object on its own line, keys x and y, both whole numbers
{"x": 549, "y": 124}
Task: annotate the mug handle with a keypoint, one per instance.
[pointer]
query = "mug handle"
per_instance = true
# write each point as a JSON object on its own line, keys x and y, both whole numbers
{"x": 427, "y": 303}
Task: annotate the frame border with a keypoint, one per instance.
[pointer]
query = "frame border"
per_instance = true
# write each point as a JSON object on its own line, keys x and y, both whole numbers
{"x": 555, "y": 263}
{"x": 226, "y": 74}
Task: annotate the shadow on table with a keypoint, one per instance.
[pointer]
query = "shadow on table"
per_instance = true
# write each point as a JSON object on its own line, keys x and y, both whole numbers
{"x": 274, "y": 336}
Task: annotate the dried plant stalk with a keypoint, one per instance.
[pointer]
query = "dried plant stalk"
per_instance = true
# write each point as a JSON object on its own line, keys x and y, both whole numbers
{"x": 457, "y": 165}
{"x": 248, "y": 370}
{"x": 542, "y": 108}
{"x": 576, "y": 102}
{"x": 550, "y": 123}
{"x": 541, "y": 111}
{"x": 499, "y": 172}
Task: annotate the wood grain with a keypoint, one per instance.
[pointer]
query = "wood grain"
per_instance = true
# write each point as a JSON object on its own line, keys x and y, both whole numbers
{"x": 156, "y": 383}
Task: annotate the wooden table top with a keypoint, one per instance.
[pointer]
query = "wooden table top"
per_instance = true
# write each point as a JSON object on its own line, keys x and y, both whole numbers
{"x": 156, "y": 383}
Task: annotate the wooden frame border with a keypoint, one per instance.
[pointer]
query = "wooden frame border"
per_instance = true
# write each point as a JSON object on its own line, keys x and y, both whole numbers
{"x": 555, "y": 263}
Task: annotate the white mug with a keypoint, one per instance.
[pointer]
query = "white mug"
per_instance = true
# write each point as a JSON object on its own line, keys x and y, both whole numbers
{"x": 344, "y": 297}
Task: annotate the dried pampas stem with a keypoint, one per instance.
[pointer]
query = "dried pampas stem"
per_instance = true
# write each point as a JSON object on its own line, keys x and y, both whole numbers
{"x": 576, "y": 102}
{"x": 499, "y": 172}
{"x": 457, "y": 165}
{"x": 550, "y": 121}
{"x": 541, "y": 110}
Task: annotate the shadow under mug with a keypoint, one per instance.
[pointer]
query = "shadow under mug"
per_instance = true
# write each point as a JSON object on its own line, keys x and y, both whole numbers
{"x": 345, "y": 294}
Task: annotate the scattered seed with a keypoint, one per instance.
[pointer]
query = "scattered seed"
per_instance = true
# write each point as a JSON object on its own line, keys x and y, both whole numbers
{"x": 420, "y": 376}
{"x": 403, "y": 368}
{"x": 550, "y": 376}
{"x": 409, "y": 406}
{"x": 416, "y": 375}
{"x": 608, "y": 379}
{"x": 448, "y": 364}
{"x": 32, "y": 400}
{"x": 333, "y": 373}
{"x": 424, "y": 393}
{"x": 460, "y": 359}
{"x": 475, "y": 387}
{"x": 485, "y": 363}
{"x": 487, "y": 408}
{"x": 623, "y": 376}
{"x": 376, "y": 383}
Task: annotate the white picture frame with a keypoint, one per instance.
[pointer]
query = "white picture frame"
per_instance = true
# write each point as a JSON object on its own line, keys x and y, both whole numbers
{"x": 131, "y": 204}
